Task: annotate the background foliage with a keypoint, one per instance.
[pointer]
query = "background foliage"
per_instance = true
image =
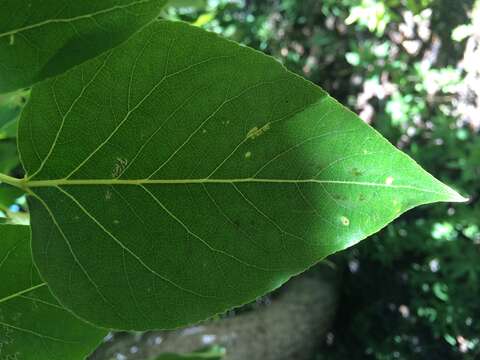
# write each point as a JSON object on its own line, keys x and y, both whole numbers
{"x": 412, "y": 290}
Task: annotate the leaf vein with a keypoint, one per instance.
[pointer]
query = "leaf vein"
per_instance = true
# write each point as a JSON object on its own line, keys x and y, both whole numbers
{"x": 71, "y": 19}
{"x": 129, "y": 251}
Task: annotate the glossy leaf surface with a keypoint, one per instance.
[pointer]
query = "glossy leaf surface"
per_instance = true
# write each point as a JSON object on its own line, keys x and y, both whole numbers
{"x": 32, "y": 323}
{"x": 40, "y": 39}
{"x": 181, "y": 174}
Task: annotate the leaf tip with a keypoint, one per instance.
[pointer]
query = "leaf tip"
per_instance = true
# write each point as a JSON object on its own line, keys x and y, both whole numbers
{"x": 455, "y": 197}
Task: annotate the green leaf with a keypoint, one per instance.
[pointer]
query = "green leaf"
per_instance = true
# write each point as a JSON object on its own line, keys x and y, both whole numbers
{"x": 196, "y": 4}
{"x": 8, "y": 156}
{"x": 215, "y": 353}
{"x": 41, "y": 39}
{"x": 9, "y": 130}
{"x": 187, "y": 175}
{"x": 8, "y": 195}
{"x": 32, "y": 323}
{"x": 10, "y": 107}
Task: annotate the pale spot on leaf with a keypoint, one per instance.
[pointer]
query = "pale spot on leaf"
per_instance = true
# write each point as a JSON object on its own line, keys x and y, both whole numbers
{"x": 345, "y": 221}
{"x": 119, "y": 167}
{"x": 256, "y": 132}
{"x": 389, "y": 180}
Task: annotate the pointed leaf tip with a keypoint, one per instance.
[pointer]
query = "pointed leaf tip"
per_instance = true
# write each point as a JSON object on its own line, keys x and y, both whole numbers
{"x": 455, "y": 197}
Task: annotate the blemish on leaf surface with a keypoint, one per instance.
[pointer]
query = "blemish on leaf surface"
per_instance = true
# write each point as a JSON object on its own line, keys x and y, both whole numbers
{"x": 345, "y": 221}
{"x": 256, "y": 132}
{"x": 119, "y": 167}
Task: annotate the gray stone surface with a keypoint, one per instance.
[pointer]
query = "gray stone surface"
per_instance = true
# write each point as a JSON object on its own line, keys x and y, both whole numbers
{"x": 289, "y": 327}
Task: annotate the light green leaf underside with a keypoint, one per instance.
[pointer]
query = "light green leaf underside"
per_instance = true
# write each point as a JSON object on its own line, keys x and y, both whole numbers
{"x": 181, "y": 175}
{"x": 40, "y": 39}
{"x": 32, "y": 323}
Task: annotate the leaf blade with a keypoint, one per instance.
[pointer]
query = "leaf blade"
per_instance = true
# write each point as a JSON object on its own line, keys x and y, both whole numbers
{"x": 240, "y": 175}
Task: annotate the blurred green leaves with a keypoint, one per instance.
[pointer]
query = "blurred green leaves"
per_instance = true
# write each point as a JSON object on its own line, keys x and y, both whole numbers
{"x": 11, "y": 105}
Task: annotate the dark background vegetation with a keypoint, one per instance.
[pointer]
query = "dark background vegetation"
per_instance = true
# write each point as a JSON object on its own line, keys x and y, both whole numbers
{"x": 411, "y": 68}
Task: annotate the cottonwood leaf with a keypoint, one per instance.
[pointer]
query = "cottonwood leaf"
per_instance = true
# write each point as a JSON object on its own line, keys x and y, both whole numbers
{"x": 186, "y": 175}
{"x": 40, "y": 39}
{"x": 33, "y": 325}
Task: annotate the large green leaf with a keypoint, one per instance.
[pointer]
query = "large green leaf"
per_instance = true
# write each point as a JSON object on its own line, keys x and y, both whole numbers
{"x": 32, "y": 323}
{"x": 187, "y": 175}
{"x": 40, "y": 39}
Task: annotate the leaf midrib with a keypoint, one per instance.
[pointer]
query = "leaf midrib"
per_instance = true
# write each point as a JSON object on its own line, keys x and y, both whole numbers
{"x": 140, "y": 182}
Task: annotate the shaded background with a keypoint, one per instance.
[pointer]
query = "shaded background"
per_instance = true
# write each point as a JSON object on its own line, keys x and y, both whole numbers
{"x": 410, "y": 68}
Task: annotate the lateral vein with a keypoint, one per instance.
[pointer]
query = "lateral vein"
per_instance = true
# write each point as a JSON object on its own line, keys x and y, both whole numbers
{"x": 34, "y": 333}
{"x": 20, "y": 293}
